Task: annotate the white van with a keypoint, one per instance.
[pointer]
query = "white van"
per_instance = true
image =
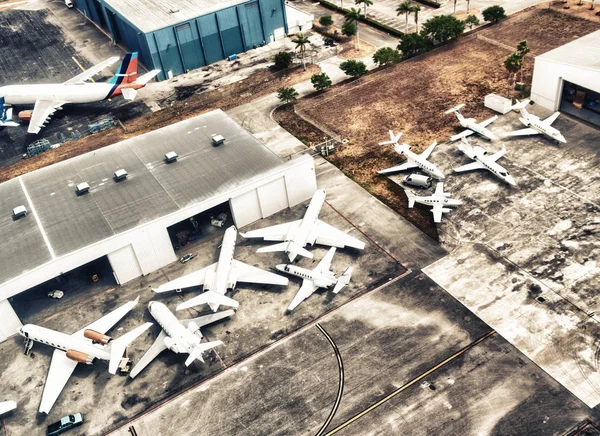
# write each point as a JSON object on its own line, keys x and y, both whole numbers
{"x": 418, "y": 180}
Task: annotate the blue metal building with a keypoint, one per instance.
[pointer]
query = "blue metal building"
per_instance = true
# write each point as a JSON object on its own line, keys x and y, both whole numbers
{"x": 176, "y": 36}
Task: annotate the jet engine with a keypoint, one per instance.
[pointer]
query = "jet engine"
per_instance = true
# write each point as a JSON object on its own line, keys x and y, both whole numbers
{"x": 80, "y": 357}
{"x": 209, "y": 279}
{"x": 231, "y": 279}
{"x": 171, "y": 345}
{"x": 194, "y": 328}
{"x": 25, "y": 115}
{"x": 96, "y": 337}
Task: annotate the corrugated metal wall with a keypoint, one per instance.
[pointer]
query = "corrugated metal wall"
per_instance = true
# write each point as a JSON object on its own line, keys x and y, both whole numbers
{"x": 198, "y": 42}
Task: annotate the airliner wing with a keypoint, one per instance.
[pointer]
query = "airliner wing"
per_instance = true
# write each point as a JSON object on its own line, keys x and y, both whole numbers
{"x": 250, "y": 274}
{"x": 305, "y": 291}
{"x": 105, "y": 323}
{"x": 91, "y": 72}
{"x": 157, "y": 347}
{"x": 61, "y": 368}
{"x": 273, "y": 233}
{"x": 325, "y": 263}
{"x": 427, "y": 152}
{"x": 42, "y": 111}
{"x": 522, "y": 132}
{"x": 437, "y": 213}
{"x": 462, "y": 134}
{"x": 187, "y": 281}
{"x": 329, "y": 235}
{"x": 404, "y": 166}
{"x": 552, "y": 118}
{"x": 469, "y": 167}
{"x": 488, "y": 121}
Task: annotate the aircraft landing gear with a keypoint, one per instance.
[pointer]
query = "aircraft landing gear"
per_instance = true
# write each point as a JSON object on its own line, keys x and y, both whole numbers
{"x": 28, "y": 346}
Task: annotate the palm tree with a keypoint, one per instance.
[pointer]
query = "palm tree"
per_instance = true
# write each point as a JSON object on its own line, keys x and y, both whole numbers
{"x": 455, "y": 1}
{"x": 365, "y": 3}
{"x": 301, "y": 42}
{"x": 415, "y": 10}
{"x": 468, "y": 6}
{"x": 404, "y": 8}
{"x": 353, "y": 16}
{"x": 513, "y": 65}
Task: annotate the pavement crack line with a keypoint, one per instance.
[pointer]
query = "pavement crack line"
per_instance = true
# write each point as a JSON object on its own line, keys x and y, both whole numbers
{"x": 410, "y": 383}
{"x": 338, "y": 398}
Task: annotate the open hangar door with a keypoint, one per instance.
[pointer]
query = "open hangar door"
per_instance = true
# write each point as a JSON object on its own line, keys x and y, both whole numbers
{"x": 190, "y": 231}
{"x": 78, "y": 285}
{"x": 580, "y": 102}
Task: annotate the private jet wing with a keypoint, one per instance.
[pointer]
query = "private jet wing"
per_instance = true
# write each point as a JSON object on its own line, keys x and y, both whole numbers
{"x": 329, "y": 235}
{"x": 498, "y": 154}
{"x": 325, "y": 263}
{"x": 437, "y": 213}
{"x": 428, "y": 151}
{"x": 91, "y": 72}
{"x": 523, "y": 132}
{"x": 462, "y": 134}
{"x": 61, "y": 367}
{"x": 250, "y": 274}
{"x": 157, "y": 347}
{"x": 470, "y": 167}
{"x": 273, "y": 233}
{"x": 305, "y": 291}
{"x": 488, "y": 121}
{"x": 187, "y": 281}
{"x": 552, "y": 118}
{"x": 42, "y": 111}
{"x": 404, "y": 166}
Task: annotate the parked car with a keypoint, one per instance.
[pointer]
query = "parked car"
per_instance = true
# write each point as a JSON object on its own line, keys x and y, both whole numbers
{"x": 66, "y": 423}
{"x": 186, "y": 258}
{"x": 419, "y": 181}
{"x": 219, "y": 220}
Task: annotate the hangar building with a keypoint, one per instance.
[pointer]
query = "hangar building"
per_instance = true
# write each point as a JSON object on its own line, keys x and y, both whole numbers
{"x": 129, "y": 222}
{"x": 568, "y": 79}
{"x": 180, "y": 35}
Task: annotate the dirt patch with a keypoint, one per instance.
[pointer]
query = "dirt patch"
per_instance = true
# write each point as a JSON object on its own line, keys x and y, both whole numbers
{"x": 301, "y": 129}
{"x": 412, "y": 96}
{"x": 226, "y": 97}
{"x": 462, "y": 15}
{"x": 349, "y": 52}
{"x": 578, "y": 10}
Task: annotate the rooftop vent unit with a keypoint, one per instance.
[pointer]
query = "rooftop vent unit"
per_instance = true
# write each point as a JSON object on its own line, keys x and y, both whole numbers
{"x": 82, "y": 188}
{"x": 120, "y": 175}
{"x": 19, "y": 211}
{"x": 171, "y": 157}
{"x": 217, "y": 140}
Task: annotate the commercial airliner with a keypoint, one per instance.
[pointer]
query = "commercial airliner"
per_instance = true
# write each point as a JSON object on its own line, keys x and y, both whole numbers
{"x": 472, "y": 126}
{"x": 413, "y": 160}
{"x": 48, "y": 98}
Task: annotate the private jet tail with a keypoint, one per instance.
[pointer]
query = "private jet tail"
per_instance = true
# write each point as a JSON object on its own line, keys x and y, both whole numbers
{"x": 291, "y": 249}
{"x": 466, "y": 148}
{"x": 456, "y": 110}
{"x": 199, "y": 349}
{"x": 213, "y": 299}
{"x": 343, "y": 280}
{"x": 394, "y": 138}
{"x": 119, "y": 346}
{"x": 411, "y": 198}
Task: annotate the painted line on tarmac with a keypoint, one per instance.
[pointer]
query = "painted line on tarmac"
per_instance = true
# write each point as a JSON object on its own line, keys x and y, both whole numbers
{"x": 81, "y": 67}
{"x": 338, "y": 399}
{"x": 410, "y": 383}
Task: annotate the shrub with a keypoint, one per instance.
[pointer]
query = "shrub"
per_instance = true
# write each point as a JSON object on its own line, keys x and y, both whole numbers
{"x": 471, "y": 21}
{"x": 287, "y": 95}
{"x": 320, "y": 81}
{"x": 354, "y": 68}
{"x": 326, "y": 20}
{"x": 443, "y": 28}
{"x": 386, "y": 56}
{"x": 412, "y": 44}
{"x": 494, "y": 14}
{"x": 283, "y": 59}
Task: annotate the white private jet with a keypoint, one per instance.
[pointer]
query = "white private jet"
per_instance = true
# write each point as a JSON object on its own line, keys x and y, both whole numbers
{"x": 48, "y": 98}
{"x": 438, "y": 200}
{"x": 413, "y": 160}
{"x": 6, "y": 115}
{"x": 178, "y": 336}
{"x": 536, "y": 126}
{"x": 320, "y": 277}
{"x": 309, "y": 230}
{"x": 7, "y": 406}
{"x": 84, "y": 346}
{"x": 220, "y": 277}
{"x": 472, "y": 126}
{"x": 484, "y": 161}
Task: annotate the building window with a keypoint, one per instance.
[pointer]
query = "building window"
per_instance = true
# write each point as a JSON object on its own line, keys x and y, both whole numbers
{"x": 183, "y": 26}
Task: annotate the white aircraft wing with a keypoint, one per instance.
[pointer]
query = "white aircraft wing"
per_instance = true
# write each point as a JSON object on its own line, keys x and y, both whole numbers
{"x": 437, "y": 213}
{"x": 552, "y": 118}
{"x": 523, "y": 132}
{"x": 329, "y": 235}
{"x": 91, "y": 72}
{"x": 427, "y": 152}
{"x": 61, "y": 368}
{"x": 208, "y": 319}
{"x": 439, "y": 188}
{"x": 42, "y": 111}
{"x": 469, "y": 167}
{"x": 488, "y": 121}
{"x": 105, "y": 323}
{"x": 7, "y": 406}
{"x": 157, "y": 347}
{"x": 404, "y": 166}
{"x": 498, "y": 154}
{"x": 250, "y": 274}
{"x": 305, "y": 291}
{"x": 462, "y": 134}
{"x": 187, "y": 281}
{"x": 325, "y": 263}
{"x": 273, "y": 233}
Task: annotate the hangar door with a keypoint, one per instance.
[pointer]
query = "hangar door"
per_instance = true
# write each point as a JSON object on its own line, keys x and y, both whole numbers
{"x": 124, "y": 264}
{"x": 10, "y": 321}
{"x": 259, "y": 203}
{"x": 580, "y": 102}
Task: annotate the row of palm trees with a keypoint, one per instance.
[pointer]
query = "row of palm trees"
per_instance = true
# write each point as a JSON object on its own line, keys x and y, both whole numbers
{"x": 407, "y": 7}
